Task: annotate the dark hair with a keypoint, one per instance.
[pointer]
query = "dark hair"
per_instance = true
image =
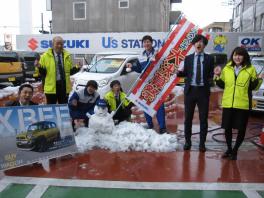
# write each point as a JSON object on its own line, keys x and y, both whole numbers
{"x": 199, "y": 37}
{"x": 242, "y": 52}
{"x": 147, "y": 37}
{"x": 92, "y": 83}
{"x": 25, "y": 85}
{"x": 115, "y": 82}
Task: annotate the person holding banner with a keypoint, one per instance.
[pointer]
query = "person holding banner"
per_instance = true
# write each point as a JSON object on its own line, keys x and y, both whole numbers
{"x": 25, "y": 94}
{"x": 198, "y": 72}
{"x": 139, "y": 67}
{"x": 55, "y": 66}
{"x": 238, "y": 78}
{"x": 82, "y": 102}
{"x": 114, "y": 98}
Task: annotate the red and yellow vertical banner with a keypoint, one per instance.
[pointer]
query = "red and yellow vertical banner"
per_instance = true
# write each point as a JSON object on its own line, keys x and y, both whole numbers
{"x": 158, "y": 80}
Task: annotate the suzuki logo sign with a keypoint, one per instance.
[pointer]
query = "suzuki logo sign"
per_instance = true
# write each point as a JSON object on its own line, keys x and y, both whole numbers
{"x": 33, "y": 44}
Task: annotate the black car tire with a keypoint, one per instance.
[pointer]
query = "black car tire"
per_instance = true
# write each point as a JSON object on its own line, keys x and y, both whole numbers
{"x": 58, "y": 137}
{"x": 42, "y": 144}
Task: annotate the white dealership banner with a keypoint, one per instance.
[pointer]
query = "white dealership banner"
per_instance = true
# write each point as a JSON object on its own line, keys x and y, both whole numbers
{"x": 90, "y": 43}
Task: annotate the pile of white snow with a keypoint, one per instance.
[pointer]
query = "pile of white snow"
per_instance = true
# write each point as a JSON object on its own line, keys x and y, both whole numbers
{"x": 125, "y": 137}
{"x": 178, "y": 90}
{"x": 8, "y": 91}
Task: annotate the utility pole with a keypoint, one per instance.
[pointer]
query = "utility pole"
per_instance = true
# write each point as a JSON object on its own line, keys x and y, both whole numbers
{"x": 50, "y": 22}
{"x": 42, "y": 26}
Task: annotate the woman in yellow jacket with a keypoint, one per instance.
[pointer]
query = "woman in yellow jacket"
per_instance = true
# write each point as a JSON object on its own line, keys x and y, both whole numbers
{"x": 238, "y": 78}
{"x": 114, "y": 99}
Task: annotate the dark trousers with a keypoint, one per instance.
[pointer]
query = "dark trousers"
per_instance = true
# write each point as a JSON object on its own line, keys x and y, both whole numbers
{"x": 123, "y": 114}
{"x": 60, "y": 97}
{"x": 240, "y": 138}
{"x": 160, "y": 118}
{"x": 196, "y": 96}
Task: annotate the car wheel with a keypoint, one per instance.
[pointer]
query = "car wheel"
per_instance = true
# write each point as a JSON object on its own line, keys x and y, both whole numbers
{"x": 43, "y": 145}
{"x": 33, "y": 148}
{"x": 58, "y": 137}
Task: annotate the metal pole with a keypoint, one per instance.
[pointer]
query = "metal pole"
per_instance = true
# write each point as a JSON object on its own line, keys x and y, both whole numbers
{"x": 42, "y": 25}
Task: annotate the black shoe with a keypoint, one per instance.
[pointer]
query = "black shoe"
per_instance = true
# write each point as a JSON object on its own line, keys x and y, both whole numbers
{"x": 202, "y": 148}
{"x": 187, "y": 146}
{"x": 233, "y": 156}
{"x": 227, "y": 154}
{"x": 150, "y": 127}
{"x": 162, "y": 131}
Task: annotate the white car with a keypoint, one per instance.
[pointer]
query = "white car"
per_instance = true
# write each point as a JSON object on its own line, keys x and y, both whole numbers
{"x": 97, "y": 57}
{"x": 258, "y": 96}
{"x": 105, "y": 71}
{"x": 101, "y": 55}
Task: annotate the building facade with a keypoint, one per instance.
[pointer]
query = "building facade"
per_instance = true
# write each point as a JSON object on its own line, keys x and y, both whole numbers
{"x": 88, "y": 16}
{"x": 218, "y": 27}
{"x": 248, "y": 16}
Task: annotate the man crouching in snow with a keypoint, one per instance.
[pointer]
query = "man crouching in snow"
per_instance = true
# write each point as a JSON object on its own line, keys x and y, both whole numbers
{"x": 81, "y": 102}
{"x": 114, "y": 98}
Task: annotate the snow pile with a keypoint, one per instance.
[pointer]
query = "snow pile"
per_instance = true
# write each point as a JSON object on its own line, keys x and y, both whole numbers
{"x": 178, "y": 90}
{"x": 8, "y": 91}
{"x": 125, "y": 137}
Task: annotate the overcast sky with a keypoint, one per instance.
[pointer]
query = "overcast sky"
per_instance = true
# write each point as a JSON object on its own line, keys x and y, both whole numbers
{"x": 204, "y": 12}
{"x": 200, "y": 12}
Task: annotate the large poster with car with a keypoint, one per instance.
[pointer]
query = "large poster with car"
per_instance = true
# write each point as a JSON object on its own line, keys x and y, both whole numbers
{"x": 30, "y": 134}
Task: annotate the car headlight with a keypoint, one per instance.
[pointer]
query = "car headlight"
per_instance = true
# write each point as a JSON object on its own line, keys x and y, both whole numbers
{"x": 103, "y": 83}
{"x": 254, "y": 103}
{"x": 259, "y": 92}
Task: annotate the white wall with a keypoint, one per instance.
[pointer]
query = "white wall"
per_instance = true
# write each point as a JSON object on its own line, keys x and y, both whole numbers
{"x": 25, "y": 16}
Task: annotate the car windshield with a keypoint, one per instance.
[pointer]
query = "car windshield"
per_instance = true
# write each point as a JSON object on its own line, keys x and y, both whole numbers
{"x": 259, "y": 65}
{"x": 33, "y": 127}
{"x": 96, "y": 58}
{"x": 29, "y": 58}
{"x": 107, "y": 65}
{"x": 8, "y": 57}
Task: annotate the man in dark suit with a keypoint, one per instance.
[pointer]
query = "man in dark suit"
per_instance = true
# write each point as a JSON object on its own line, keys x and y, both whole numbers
{"x": 198, "y": 72}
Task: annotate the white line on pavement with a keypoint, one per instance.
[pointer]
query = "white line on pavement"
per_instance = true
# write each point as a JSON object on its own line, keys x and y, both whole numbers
{"x": 134, "y": 185}
{"x": 3, "y": 185}
{"x": 251, "y": 194}
{"x": 37, "y": 191}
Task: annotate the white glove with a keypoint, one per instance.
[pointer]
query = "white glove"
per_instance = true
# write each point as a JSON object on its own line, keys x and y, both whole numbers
{"x": 88, "y": 115}
{"x": 128, "y": 69}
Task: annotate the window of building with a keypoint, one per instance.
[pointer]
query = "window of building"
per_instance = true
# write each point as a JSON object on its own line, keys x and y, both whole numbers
{"x": 215, "y": 29}
{"x": 238, "y": 10}
{"x": 123, "y": 3}
{"x": 262, "y": 22}
{"x": 79, "y": 10}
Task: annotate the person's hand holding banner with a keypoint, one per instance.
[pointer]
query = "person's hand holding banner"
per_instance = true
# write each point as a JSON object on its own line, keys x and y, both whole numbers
{"x": 217, "y": 71}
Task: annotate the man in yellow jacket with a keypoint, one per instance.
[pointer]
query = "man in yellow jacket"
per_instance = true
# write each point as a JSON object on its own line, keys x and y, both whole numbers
{"x": 114, "y": 98}
{"x": 55, "y": 66}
